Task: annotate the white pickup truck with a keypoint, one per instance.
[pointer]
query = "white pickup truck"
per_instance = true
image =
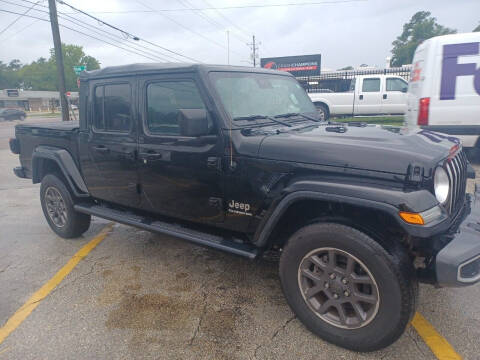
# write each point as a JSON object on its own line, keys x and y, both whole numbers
{"x": 368, "y": 95}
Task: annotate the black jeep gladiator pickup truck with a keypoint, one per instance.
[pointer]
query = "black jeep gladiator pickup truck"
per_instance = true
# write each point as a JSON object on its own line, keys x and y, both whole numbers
{"x": 237, "y": 159}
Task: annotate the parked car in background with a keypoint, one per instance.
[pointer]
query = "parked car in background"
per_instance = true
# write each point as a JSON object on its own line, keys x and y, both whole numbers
{"x": 367, "y": 95}
{"x": 444, "y": 89}
{"x": 12, "y": 114}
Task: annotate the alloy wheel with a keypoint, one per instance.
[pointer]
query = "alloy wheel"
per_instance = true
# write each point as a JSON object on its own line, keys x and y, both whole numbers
{"x": 56, "y": 208}
{"x": 338, "y": 288}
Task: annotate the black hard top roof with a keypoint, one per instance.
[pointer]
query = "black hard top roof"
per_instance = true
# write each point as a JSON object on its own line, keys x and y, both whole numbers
{"x": 134, "y": 69}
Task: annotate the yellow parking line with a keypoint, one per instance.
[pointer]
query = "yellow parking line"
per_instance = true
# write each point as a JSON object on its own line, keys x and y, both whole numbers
{"x": 22, "y": 313}
{"x": 436, "y": 342}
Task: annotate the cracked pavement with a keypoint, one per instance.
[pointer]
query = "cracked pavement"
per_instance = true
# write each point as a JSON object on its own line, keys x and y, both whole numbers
{"x": 144, "y": 295}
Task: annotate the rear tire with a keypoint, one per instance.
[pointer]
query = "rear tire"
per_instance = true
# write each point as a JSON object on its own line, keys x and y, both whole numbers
{"x": 323, "y": 112}
{"x": 364, "y": 309}
{"x": 57, "y": 205}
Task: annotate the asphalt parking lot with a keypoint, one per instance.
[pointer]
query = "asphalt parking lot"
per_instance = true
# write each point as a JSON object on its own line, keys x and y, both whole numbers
{"x": 143, "y": 295}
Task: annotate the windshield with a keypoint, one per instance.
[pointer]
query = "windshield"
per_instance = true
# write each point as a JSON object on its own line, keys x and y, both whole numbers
{"x": 247, "y": 94}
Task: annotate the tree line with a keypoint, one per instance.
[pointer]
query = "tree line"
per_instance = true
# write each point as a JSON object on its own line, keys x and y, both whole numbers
{"x": 42, "y": 73}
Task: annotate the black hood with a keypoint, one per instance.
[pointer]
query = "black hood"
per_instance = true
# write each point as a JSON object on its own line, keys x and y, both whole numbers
{"x": 374, "y": 148}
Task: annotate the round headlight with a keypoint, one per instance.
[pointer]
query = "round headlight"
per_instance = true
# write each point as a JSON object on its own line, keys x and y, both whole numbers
{"x": 441, "y": 185}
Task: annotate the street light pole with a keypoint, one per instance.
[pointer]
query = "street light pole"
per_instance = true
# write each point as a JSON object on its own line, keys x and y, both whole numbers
{"x": 57, "y": 44}
{"x": 228, "y": 47}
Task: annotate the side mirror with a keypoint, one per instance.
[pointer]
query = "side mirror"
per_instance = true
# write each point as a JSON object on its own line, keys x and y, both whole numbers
{"x": 193, "y": 122}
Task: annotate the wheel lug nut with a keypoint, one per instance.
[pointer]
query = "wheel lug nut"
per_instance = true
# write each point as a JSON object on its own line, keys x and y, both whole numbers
{"x": 344, "y": 281}
{"x": 332, "y": 276}
{"x": 346, "y": 293}
{"x": 327, "y": 285}
{"x": 335, "y": 296}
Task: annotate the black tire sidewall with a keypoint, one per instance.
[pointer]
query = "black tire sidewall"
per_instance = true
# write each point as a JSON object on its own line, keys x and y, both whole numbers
{"x": 389, "y": 322}
{"x": 324, "y": 109}
{"x": 69, "y": 229}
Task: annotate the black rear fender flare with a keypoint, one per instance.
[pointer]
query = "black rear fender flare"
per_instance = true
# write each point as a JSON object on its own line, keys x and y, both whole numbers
{"x": 65, "y": 163}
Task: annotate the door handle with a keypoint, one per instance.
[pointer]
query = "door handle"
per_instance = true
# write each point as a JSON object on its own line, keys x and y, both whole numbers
{"x": 101, "y": 149}
{"x": 360, "y": 97}
{"x": 150, "y": 155}
{"x": 384, "y": 96}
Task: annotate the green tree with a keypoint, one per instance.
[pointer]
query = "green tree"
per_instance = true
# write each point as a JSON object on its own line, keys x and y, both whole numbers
{"x": 42, "y": 73}
{"x": 39, "y": 75}
{"x": 477, "y": 28}
{"x": 73, "y": 55}
{"x": 8, "y": 76}
{"x": 421, "y": 27}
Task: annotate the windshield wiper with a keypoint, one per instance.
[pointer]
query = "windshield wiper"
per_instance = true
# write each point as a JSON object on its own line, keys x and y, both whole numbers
{"x": 258, "y": 117}
{"x": 287, "y": 115}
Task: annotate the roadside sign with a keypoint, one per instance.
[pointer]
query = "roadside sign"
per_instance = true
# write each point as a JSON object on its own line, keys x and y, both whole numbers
{"x": 79, "y": 69}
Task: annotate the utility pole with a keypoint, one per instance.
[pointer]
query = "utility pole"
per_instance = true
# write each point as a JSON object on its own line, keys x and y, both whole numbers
{"x": 254, "y": 53}
{"x": 57, "y": 44}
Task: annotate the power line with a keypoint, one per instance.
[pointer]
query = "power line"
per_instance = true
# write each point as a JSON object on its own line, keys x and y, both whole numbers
{"x": 183, "y": 26}
{"x": 82, "y": 33}
{"x": 134, "y": 37}
{"x": 227, "y": 19}
{"x": 24, "y": 28}
{"x": 231, "y": 7}
{"x": 19, "y": 17}
{"x": 209, "y": 19}
{"x": 123, "y": 32}
{"x": 114, "y": 37}
{"x": 110, "y": 36}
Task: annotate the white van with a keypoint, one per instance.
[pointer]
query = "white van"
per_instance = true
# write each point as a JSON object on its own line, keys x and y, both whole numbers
{"x": 444, "y": 89}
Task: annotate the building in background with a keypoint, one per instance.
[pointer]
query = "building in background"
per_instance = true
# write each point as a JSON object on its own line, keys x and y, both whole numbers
{"x": 32, "y": 100}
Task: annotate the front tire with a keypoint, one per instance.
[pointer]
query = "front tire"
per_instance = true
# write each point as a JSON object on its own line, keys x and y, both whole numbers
{"x": 346, "y": 288}
{"x": 57, "y": 205}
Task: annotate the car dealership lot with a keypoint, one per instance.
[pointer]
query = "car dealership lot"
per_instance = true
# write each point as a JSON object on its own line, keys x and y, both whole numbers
{"x": 143, "y": 295}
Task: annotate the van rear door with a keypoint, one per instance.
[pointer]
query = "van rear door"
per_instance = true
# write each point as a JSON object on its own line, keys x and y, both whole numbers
{"x": 455, "y": 100}
{"x": 416, "y": 84}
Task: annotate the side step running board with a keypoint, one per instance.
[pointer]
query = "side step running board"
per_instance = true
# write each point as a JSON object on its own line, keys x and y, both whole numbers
{"x": 194, "y": 236}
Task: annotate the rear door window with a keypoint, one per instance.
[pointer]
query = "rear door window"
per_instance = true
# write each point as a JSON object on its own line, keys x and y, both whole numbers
{"x": 371, "y": 85}
{"x": 112, "y": 108}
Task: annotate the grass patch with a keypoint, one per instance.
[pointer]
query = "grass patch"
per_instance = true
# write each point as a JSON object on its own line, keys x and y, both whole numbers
{"x": 380, "y": 120}
{"x": 45, "y": 114}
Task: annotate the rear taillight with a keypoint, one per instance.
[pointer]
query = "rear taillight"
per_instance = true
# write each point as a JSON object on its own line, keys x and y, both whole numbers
{"x": 423, "y": 107}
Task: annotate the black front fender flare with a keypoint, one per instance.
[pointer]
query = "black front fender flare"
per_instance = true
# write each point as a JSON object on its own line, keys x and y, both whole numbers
{"x": 388, "y": 201}
{"x": 66, "y": 164}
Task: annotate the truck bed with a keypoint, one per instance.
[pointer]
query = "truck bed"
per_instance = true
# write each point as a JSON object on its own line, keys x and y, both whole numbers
{"x": 54, "y": 134}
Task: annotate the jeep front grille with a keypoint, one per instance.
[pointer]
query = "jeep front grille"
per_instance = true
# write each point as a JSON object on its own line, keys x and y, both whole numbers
{"x": 456, "y": 168}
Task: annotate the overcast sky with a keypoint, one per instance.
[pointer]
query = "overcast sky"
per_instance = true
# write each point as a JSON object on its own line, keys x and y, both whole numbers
{"x": 345, "y": 33}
